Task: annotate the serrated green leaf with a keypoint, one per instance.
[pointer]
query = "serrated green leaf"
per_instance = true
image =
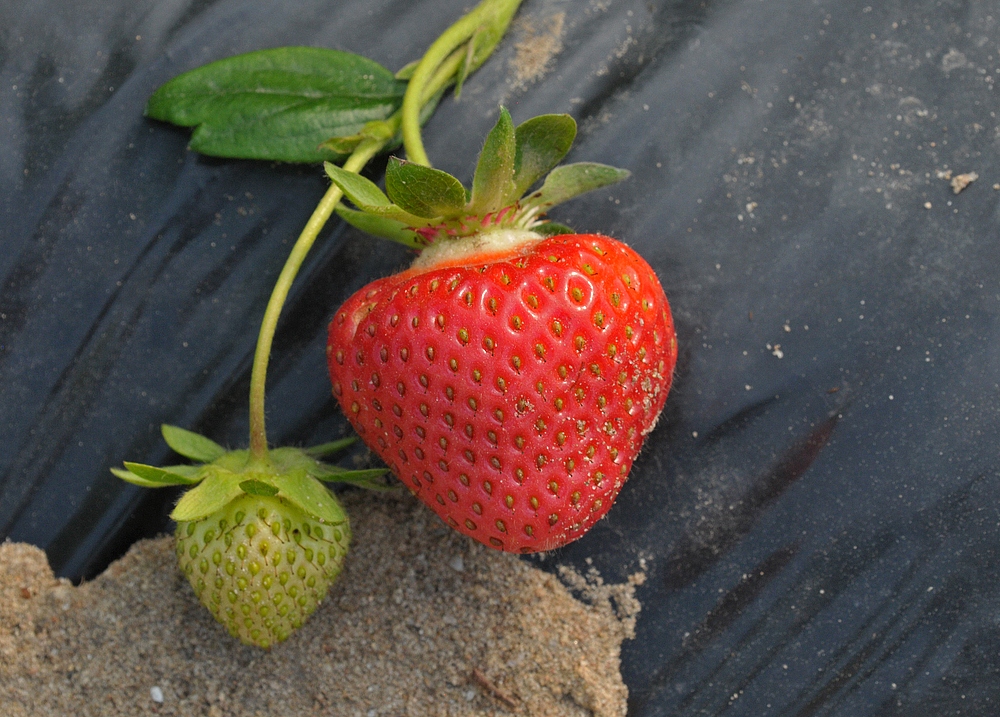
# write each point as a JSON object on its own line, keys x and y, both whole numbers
{"x": 366, "y": 195}
{"x": 493, "y": 183}
{"x": 572, "y": 180}
{"x": 381, "y": 227}
{"x": 253, "y": 486}
{"x": 424, "y": 191}
{"x": 163, "y": 476}
{"x": 326, "y": 449}
{"x": 278, "y": 104}
{"x": 304, "y": 491}
{"x": 215, "y": 492}
{"x": 190, "y": 444}
{"x": 542, "y": 142}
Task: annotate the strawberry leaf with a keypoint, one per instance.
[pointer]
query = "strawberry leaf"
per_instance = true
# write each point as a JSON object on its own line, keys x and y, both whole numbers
{"x": 212, "y": 494}
{"x": 304, "y": 491}
{"x": 258, "y": 487}
{"x": 278, "y": 104}
{"x": 336, "y": 474}
{"x": 379, "y": 130}
{"x": 130, "y": 477}
{"x": 572, "y": 180}
{"x": 190, "y": 444}
{"x": 325, "y": 449}
{"x": 424, "y": 191}
{"x": 370, "y": 482}
{"x": 381, "y": 227}
{"x": 174, "y": 475}
{"x": 551, "y": 229}
{"x": 493, "y": 183}
{"x": 366, "y": 195}
{"x": 361, "y": 191}
{"x": 542, "y": 142}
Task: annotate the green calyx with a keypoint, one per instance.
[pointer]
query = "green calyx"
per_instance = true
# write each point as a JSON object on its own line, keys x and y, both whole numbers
{"x": 422, "y": 205}
{"x": 295, "y": 474}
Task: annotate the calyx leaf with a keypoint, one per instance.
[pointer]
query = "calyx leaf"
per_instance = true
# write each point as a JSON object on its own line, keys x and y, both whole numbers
{"x": 173, "y": 475}
{"x": 152, "y": 477}
{"x": 551, "y": 229}
{"x": 292, "y": 474}
{"x": 423, "y": 191}
{"x": 304, "y": 491}
{"x": 572, "y": 180}
{"x": 325, "y": 449}
{"x": 215, "y": 492}
{"x": 252, "y": 486}
{"x": 278, "y": 104}
{"x": 542, "y": 142}
{"x": 365, "y": 478}
{"x": 390, "y": 229}
{"x": 190, "y": 444}
{"x": 366, "y": 195}
{"x": 493, "y": 183}
{"x": 422, "y": 205}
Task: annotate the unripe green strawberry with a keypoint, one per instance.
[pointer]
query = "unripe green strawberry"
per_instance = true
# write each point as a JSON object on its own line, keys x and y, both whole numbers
{"x": 261, "y": 539}
{"x": 261, "y": 565}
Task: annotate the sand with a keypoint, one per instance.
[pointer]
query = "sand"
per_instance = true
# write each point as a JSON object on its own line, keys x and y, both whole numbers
{"x": 423, "y": 621}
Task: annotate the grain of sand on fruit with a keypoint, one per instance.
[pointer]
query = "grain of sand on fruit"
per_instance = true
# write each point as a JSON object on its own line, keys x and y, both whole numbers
{"x": 422, "y": 622}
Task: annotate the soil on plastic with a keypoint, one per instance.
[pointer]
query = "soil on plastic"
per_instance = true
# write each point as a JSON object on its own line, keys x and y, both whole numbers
{"x": 421, "y": 622}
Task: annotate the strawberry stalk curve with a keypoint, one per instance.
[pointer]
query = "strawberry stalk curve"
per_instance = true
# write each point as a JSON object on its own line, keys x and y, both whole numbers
{"x": 259, "y": 535}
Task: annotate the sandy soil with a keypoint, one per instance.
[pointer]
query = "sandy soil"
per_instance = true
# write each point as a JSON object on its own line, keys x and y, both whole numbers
{"x": 422, "y": 622}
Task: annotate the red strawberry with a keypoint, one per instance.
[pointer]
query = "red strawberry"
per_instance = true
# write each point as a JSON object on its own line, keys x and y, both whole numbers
{"x": 508, "y": 379}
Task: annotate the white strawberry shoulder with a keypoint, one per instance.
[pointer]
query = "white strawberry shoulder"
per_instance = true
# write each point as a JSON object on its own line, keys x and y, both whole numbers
{"x": 494, "y": 243}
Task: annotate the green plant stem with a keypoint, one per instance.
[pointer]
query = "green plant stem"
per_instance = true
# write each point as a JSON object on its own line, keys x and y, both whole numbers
{"x": 444, "y": 75}
{"x": 450, "y": 40}
{"x": 258, "y": 434}
{"x": 439, "y": 68}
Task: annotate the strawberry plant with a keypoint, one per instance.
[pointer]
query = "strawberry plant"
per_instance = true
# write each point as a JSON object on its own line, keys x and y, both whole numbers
{"x": 508, "y": 378}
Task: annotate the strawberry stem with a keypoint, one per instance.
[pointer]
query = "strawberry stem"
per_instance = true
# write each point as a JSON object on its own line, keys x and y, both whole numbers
{"x": 444, "y": 63}
{"x": 485, "y": 24}
{"x": 258, "y": 434}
